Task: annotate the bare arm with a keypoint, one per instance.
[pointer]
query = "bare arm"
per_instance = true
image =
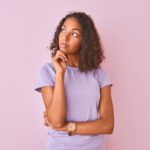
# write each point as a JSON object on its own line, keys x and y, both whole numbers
{"x": 99, "y": 126}
{"x": 103, "y": 125}
{"x": 55, "y": 102}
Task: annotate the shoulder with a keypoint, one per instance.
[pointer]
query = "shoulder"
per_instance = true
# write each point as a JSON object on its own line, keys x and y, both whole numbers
{"x": 47, "y": 70}
{"x": 103, "y": 76}
{"x": 100, "y": 70}
{"x": 46, "y": 76}
{"x": 48, "y": 67}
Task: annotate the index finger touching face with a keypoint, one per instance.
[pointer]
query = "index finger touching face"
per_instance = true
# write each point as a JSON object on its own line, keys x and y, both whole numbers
{"x": 63, "y": 51}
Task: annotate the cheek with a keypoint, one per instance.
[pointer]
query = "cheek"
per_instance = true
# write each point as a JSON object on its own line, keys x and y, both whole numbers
{"x": 75, "y": 44}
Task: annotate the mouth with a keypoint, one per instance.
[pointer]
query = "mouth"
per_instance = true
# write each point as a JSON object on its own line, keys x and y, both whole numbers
{"x": 63, "y": 45}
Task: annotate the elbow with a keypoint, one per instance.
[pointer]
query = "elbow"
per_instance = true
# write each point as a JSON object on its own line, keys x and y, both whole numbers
{"x": 109, "y": 126}
{"x": 110, "y": 129}
{"x": 56, "y": 123}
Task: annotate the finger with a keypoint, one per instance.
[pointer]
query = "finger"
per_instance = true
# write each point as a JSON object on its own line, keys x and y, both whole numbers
{"x": 45, "y": 124}
{"x": 44, "y": 114}
{"x": 60, "y": 52}
{"x": 63, "y": 52}
{"x": 61, "y": 57}
{"x": 45, "y": 119}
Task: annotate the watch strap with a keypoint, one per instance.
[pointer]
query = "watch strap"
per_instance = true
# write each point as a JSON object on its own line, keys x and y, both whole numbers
{"x": 70, "y": 133}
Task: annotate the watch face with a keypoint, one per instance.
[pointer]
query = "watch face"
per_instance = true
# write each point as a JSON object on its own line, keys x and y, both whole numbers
{"x": 71, "y": 126}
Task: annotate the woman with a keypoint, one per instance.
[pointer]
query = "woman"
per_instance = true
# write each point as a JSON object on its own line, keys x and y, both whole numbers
{"x": 75, "y": 88}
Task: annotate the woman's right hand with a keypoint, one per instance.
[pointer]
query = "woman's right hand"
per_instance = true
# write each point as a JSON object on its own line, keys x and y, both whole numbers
{"x": 60, "y": 61}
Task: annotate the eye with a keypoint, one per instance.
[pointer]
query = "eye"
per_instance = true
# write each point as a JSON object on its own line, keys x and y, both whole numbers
{"x": 75, "y": 34}
{"x": 62, "y": 29}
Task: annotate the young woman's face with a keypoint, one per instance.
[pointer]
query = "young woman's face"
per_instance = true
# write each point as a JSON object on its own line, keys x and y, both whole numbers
{"x": 70, "y": 36}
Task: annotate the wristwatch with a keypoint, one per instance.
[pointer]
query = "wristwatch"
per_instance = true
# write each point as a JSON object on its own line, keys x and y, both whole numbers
{"x": 71, "y": 128}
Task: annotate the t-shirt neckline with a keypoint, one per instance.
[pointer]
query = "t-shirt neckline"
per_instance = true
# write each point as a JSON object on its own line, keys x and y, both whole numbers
{"x": 73, "y": 68}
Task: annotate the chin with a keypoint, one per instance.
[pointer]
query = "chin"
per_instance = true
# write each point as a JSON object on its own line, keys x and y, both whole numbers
{"x": 64, "y": 49}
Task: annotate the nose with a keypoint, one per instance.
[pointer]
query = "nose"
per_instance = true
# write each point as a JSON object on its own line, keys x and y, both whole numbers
{"x": 66, "y": 37}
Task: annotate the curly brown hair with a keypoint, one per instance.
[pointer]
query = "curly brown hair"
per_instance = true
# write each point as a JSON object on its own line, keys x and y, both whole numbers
{"x": 91, "y": 52}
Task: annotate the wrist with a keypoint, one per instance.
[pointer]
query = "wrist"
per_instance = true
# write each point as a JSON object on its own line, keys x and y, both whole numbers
{"x": 59, "y": 74}
{"x": 71, "y": 127}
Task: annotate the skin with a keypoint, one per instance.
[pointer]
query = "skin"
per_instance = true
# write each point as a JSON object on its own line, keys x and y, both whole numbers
{"x": 104, "y": 124}
{"x": 71, "y": 34}
{"x": 54, "y": 98}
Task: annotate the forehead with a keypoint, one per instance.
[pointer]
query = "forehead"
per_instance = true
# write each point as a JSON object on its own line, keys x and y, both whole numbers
{"x": 72, "y": 23}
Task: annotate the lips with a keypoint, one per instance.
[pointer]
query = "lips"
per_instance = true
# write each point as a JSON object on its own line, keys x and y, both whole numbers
{"x": 63, "y": 45}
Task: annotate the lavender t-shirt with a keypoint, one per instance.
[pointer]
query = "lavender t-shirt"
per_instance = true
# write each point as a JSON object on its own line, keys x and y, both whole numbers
{"x": 82, "y": 101}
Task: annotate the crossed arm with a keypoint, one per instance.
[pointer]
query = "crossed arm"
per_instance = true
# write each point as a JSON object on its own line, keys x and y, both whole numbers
{"x": 103, "y": 125}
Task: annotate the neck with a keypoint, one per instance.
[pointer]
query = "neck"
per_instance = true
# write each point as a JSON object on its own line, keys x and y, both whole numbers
{"x": 73, "y": 60}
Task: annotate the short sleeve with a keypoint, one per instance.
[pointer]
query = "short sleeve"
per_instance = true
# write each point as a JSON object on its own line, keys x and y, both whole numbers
{"x": 103, "y": 77}
{"x": 45, "y": 77}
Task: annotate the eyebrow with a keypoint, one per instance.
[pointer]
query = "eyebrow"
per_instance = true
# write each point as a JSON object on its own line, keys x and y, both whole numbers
{"x": 73, "y": 28}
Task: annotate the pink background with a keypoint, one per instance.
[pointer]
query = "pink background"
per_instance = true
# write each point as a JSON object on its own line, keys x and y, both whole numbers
{"x": 27, "y": 27}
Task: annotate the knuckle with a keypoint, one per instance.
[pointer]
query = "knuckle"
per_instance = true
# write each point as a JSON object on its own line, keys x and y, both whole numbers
{"x": 58, "y": 52}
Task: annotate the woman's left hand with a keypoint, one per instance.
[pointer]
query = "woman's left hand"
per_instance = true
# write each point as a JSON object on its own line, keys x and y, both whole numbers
{"x": 47, "y": 123}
